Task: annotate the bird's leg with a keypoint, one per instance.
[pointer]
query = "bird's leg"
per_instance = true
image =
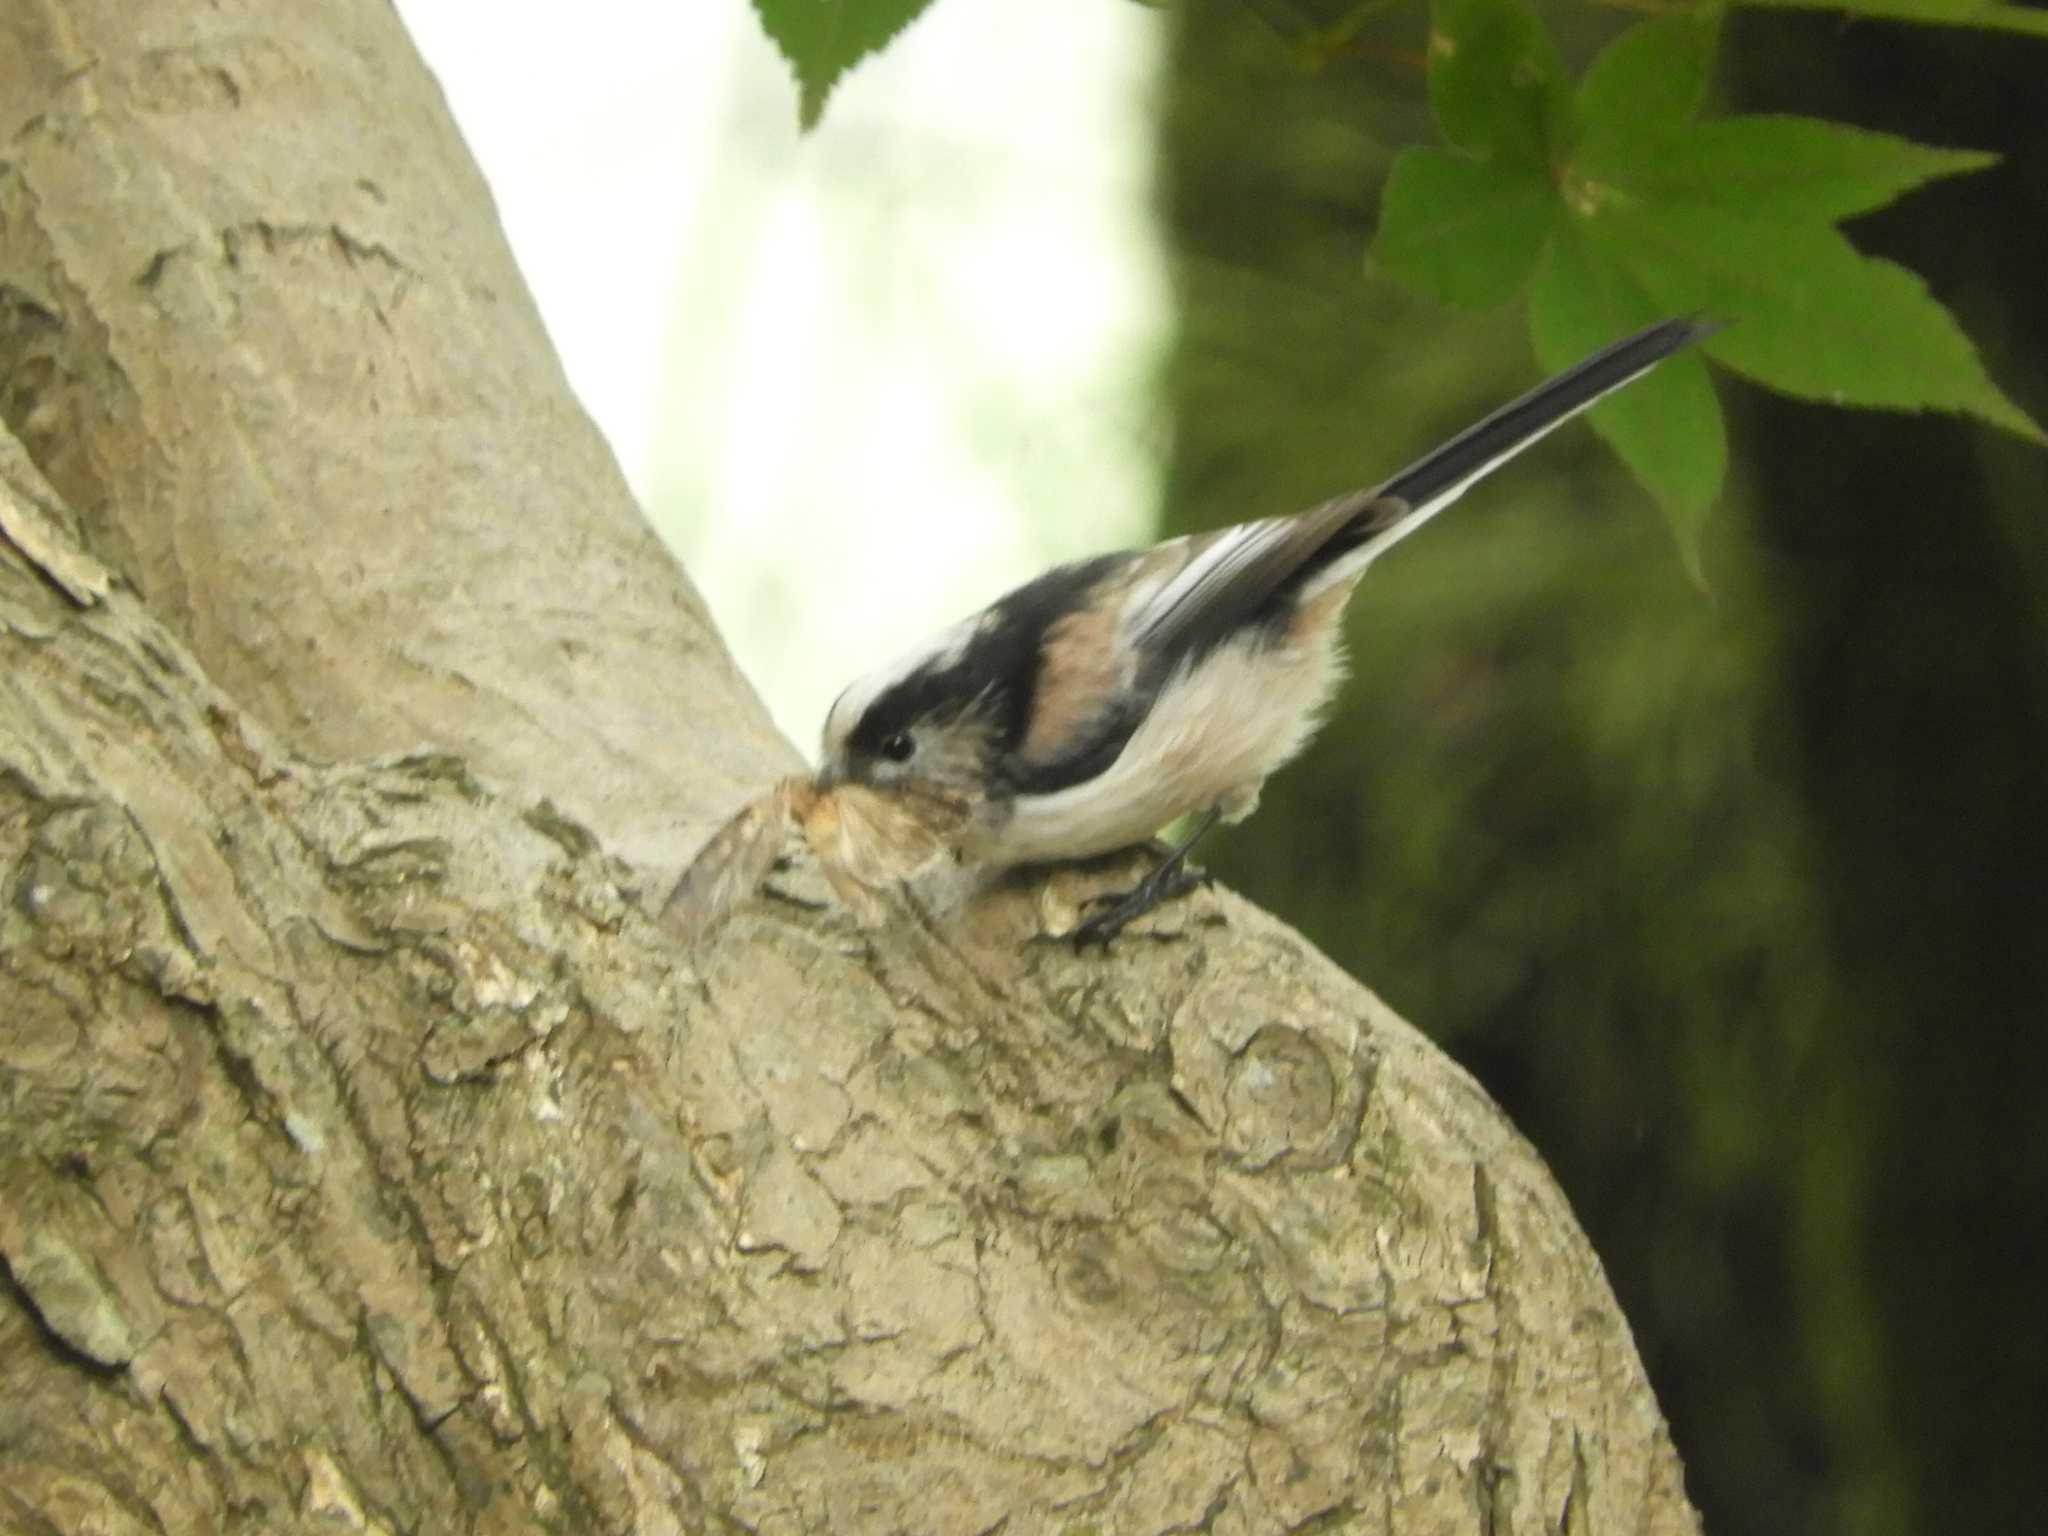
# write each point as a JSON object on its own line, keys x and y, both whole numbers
{"x": 1169, "y": 878}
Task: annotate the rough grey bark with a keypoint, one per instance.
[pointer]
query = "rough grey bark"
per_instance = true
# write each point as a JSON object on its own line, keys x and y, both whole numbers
{"x": 368, "y": 1160}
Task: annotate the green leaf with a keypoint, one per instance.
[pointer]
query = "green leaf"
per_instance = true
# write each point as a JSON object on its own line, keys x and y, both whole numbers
{"x": 1649, "y": 80}
{"x": 1987, "y": 14}
{"x": 1495, "y": 84}
{"x": 1786, "y": 167}
{"x": 1614, "y": 207}
{"x": 1667, "y": 425}
{"x": 1463, "y": 231}
{"x": 823, "y": 39}
{"x": 1814, "y": 318}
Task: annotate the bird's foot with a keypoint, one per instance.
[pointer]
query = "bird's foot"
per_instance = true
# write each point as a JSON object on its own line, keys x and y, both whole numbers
{"x": 1168, "y": 880}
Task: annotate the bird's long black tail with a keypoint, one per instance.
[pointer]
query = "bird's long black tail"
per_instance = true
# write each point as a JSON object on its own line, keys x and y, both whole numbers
{"x": 1433, "y": 482}
{"x": 1234, "y": 575}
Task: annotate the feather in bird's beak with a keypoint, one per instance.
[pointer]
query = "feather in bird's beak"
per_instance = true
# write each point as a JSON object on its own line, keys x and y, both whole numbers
{"x": 864, "y": 839}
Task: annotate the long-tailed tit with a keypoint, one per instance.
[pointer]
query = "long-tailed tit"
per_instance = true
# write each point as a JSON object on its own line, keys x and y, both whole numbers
{"x": 1090, "y": 707}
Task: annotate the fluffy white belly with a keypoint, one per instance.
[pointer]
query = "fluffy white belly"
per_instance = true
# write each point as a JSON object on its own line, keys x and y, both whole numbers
{"x": 1211, "y": 739}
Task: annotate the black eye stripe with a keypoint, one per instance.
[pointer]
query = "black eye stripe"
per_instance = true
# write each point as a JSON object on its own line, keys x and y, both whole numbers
{"x": 989, "y": 677}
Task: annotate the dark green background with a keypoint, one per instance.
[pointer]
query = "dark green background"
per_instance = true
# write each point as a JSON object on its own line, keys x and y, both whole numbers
{"x": 1733, "y": 900}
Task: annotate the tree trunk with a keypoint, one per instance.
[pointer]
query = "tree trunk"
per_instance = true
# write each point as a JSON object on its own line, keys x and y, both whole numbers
{"x": 368, "y": 1160}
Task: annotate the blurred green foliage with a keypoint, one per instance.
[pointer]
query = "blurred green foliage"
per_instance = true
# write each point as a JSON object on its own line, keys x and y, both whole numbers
{"x": 1987, "y": 14}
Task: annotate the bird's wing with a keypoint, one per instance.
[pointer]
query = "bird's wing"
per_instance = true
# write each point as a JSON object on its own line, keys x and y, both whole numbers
{"x": 1230, "y": 574}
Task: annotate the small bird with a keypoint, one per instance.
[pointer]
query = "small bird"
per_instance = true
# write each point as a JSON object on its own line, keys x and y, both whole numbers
{"x": 1089, "y": 708}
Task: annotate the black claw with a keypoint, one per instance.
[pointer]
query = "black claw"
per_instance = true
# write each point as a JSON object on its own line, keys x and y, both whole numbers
{"x": 1170, "y": 877}
{"x": 1166, "y": 882}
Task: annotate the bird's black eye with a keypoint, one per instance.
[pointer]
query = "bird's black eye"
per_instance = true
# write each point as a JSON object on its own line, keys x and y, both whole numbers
{"x": 899, "y": 748}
